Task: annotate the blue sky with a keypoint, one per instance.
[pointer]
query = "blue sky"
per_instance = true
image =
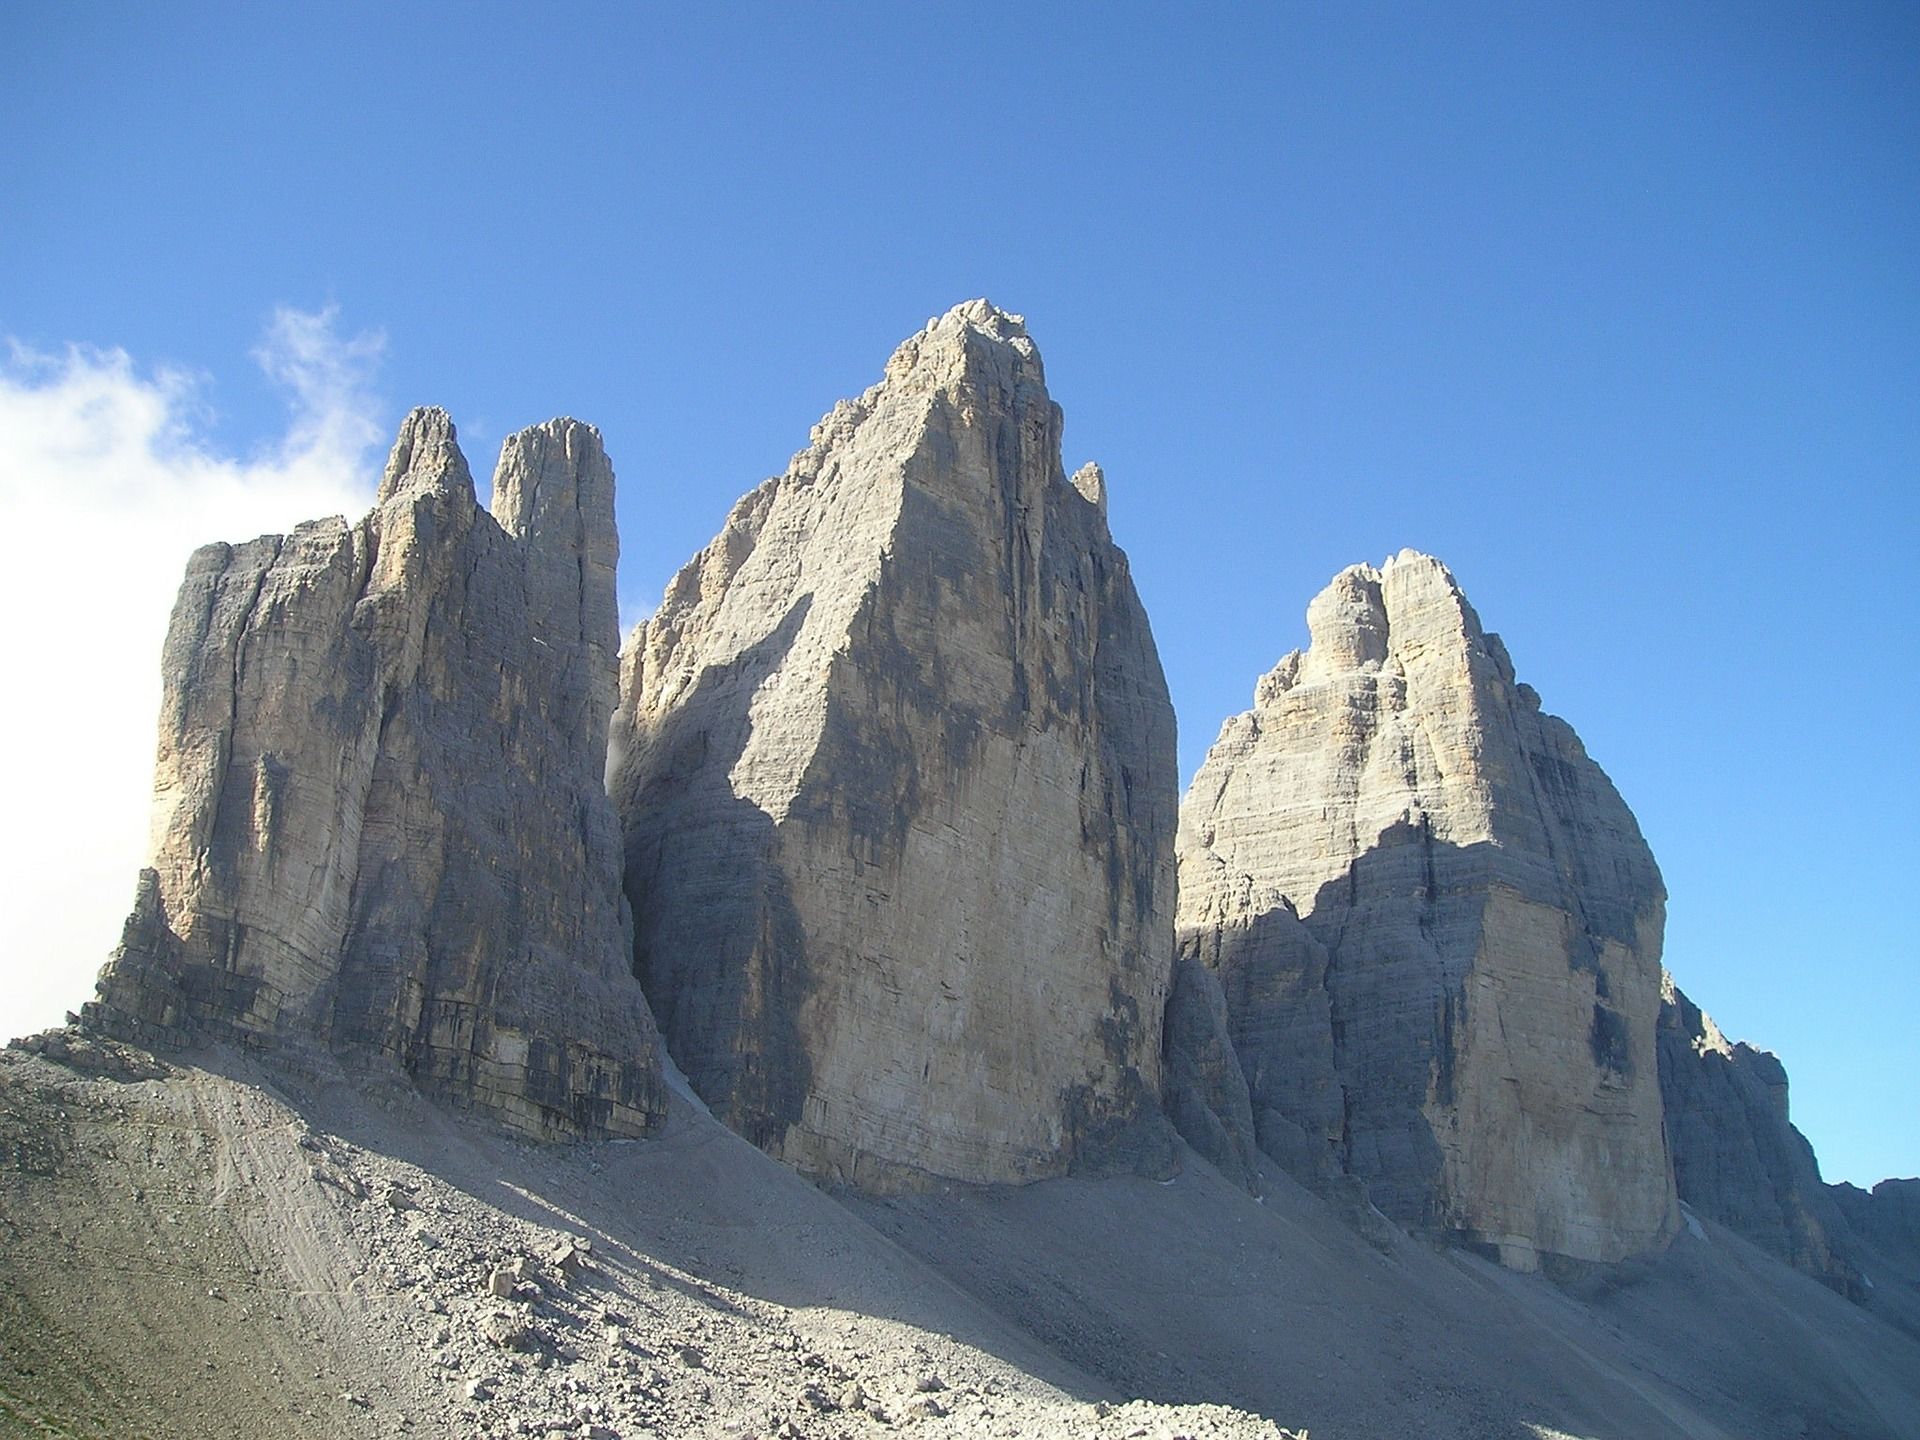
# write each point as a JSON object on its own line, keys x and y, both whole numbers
{"x": 1614, "y": 308}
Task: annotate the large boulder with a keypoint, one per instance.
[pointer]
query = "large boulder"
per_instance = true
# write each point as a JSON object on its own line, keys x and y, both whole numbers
{"x": 1438, "y": 930}
{"x": 380, "y": 813}
{"x": 895, "y": 761}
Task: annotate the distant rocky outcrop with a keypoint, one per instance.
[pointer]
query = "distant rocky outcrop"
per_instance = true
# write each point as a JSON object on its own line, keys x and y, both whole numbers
{"x": 380, "y": 814}
{"x": 1437, "y": 928}
{"x": 1883, "y": 1244}
{"x": 895, "y": 761}
{"x": 1737, "y": 1159}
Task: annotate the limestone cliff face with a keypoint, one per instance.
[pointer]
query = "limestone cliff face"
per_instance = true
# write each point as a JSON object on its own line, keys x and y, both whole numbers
{"x": 1737, "y": 1158}
{"x": 895, "y": 762}
{"x": 380, "y": 816}
{"x": 1438, "y": 930}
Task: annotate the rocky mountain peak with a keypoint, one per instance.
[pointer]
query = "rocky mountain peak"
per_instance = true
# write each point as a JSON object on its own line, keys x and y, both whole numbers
{"x": 381, "y": 820}
{"x": 975, "y": 351}
{"x": 425, "y": 454}
{"x": 1456, "y": 1004}
{"x": 895, "y": 762}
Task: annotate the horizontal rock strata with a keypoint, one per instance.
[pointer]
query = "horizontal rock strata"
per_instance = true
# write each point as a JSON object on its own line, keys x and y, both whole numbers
{"x": 1438, "y": 931}
{"x": 380, "y": 814}
{"x": 895, "y": 761}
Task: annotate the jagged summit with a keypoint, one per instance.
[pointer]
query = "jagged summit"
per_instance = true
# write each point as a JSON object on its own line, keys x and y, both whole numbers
{"x": 426, "y": 453}
{"x": 1349, "y": 623}
{"x": 975, "y": 349}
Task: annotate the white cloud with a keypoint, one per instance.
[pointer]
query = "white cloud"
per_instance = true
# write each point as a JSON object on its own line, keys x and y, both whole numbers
{"x": 107, "y": 484}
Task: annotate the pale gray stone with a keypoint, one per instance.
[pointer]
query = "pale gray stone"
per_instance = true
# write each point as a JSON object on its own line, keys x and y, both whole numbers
{"x": 895, "y": 760}
{"x": 380, "y": 816}
{"x": 1438, "y": 930}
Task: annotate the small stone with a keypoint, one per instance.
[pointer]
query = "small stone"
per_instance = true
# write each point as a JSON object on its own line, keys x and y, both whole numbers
{"x": 508, "y": 1331}
{"x": 481, "y": 1387}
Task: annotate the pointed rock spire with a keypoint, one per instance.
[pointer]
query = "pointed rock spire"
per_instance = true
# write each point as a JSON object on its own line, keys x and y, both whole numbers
{"x": 425, "y": 454}
{"x": 895, "y": 761}
{"x": 553, "y": 490}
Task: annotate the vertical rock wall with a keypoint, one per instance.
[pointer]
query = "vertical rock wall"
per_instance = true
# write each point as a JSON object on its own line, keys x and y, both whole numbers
{"x": 1737, "y": 1158}
{"x": 380, "y": 817}
{"x": 895, "y": 761}
{"x": 1438, "y": 930}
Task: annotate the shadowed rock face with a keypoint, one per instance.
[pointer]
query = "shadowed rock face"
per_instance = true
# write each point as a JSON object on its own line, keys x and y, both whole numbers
{"x": 380, "y": 817}
{"x": 1737, "y": 1158}
{"x": 1882, "y": 1242}
{"x": 895, "y": 762}
{"x": 1206, "y": 1090}
{"x": 1438, "y": 931}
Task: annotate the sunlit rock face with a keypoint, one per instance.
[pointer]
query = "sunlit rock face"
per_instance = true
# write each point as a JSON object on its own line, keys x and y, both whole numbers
{"x": 895, "y": 762}
{"x": 380, "y": 816}
{"x": 1438, "y": 931}
{"x": 1737, "y": 1158}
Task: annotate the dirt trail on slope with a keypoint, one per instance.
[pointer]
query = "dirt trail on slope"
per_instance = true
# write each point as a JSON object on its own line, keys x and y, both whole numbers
{"x": 207, "y": 1250}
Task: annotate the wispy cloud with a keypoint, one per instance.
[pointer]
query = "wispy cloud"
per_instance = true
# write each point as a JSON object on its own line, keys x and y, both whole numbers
{"x": 108, "y": 482}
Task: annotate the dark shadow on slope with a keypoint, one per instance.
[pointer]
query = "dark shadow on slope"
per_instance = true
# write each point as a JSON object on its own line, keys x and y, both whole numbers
{"x": 1193, "y": 1292}
{"x": 718, "y": 945}
{"x": 1183, "y": 1292}
{"x": 697, "y": 1209}
{"x": 1346, "y": 1019}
